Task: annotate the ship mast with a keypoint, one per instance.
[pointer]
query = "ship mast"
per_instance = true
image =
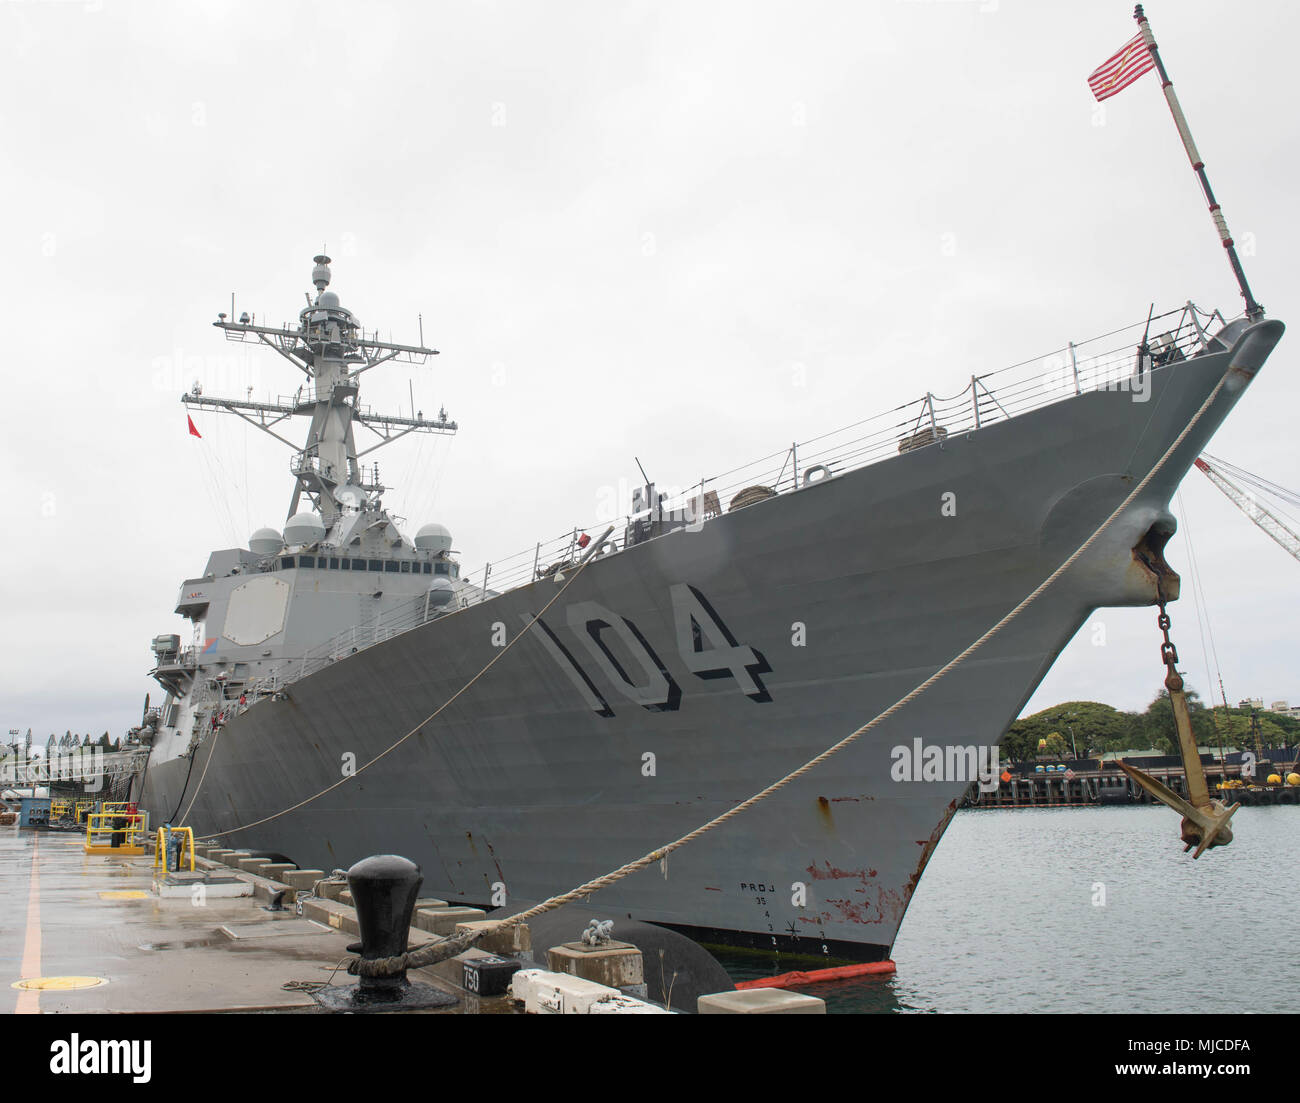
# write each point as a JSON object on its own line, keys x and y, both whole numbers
{"x": 332, "y": 350}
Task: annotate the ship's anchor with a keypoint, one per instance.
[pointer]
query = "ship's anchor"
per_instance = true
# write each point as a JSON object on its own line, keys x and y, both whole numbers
{"x": 1205, "y": 820}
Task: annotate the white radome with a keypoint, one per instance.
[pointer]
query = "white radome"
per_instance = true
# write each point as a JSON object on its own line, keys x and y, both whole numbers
{"x": 304, "y": 528}
{"x": 441, "y": 591}
{"x": 434, "y": 538}
{"x": 265, "y": 542}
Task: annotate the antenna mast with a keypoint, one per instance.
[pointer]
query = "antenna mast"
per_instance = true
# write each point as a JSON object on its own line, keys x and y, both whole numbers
{"x": 332, "y": 350}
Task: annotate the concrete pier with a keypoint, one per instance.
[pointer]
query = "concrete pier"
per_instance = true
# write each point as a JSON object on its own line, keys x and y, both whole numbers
{"x": 106, "y": 942}
{"x": 109, "y": 933}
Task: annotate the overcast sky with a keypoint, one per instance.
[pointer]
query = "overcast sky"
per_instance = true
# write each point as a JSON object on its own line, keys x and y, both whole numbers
{"x": 624, "y": 225}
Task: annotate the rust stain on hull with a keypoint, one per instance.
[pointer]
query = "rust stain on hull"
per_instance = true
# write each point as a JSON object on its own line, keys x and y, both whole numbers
{"x": 927, "y": 849}
{"x": 866, "y": 903}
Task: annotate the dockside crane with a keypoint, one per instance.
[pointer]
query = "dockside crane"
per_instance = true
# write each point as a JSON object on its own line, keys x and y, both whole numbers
{"x": 1247, "y": 503}
{"x": 1245, "y": 500}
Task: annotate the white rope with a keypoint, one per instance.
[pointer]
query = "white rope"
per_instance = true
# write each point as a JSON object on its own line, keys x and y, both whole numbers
{"x": 439, "y": 951}
{"x": 414, "y": 731}
{"x": 662, "y": 852}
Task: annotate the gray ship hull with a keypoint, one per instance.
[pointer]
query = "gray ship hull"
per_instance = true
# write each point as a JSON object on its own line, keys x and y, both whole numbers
{"x": 850, "y": 592}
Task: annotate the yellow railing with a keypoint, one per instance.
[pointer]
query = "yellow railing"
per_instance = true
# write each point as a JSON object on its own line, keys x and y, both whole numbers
{"x": 103, "y": 829}
{"x": 162, "y": 840}
{"x": 83, "y": 809}
{"x": 59, "y": 808}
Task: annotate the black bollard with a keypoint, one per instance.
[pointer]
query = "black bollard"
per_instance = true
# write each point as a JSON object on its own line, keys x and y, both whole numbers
{"x": 384, "y": 890}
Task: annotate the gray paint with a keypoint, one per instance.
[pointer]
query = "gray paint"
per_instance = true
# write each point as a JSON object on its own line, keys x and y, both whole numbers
{"x": 520, "y": 782}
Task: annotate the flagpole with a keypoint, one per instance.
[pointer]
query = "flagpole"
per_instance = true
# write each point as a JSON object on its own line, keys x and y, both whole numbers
{"x": 1253, "y": 309}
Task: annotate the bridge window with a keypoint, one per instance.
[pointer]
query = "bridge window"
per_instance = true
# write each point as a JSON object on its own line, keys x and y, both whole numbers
{"x": 391, "y": 567}
{"x": 334, "y": 563}
{"x": 346, "y": 564}
{"x": 358, "y": 564}
{"x": 406, "y": 567}
{"x": 439, "y": 568}
{"x": 376, "y": 565}
{"x": 286, "y": 562}
{"x": 306, "y": 561}
{"x": 428, "y": 568}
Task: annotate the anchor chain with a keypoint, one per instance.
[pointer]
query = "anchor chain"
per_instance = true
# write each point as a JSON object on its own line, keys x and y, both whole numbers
{"x": 1205, "y": 820}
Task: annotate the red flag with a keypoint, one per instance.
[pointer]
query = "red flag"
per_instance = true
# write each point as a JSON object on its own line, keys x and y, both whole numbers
{"x": 584, "y": 540}
{"x": 193, "y": 431}
{"x": 1118, "y": 72}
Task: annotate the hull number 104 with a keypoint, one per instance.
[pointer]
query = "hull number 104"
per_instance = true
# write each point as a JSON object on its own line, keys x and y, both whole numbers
{"x": 622, "y": 659}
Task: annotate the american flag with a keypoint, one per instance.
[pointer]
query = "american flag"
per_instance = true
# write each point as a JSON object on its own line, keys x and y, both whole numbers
{"x": 1118, "y": 72}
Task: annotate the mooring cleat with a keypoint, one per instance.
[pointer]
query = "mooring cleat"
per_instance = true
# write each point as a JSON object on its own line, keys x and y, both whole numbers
{"x": 1201, "y": 828}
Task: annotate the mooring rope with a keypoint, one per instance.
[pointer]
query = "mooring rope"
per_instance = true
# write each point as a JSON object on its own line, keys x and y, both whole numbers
{"x": 580, "y": 567}
{"x": 206, "y": 763}
{"x": 440, "y": 951}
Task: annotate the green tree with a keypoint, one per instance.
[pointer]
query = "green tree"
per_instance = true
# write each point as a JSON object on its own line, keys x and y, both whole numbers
{"x": 1056, "y": 745}
{"x": 1155, "y": 728}
{"x": 1091, "y": 726}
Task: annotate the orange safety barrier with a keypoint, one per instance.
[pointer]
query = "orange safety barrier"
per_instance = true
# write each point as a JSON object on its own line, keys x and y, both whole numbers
{"x": 816, "y": 976}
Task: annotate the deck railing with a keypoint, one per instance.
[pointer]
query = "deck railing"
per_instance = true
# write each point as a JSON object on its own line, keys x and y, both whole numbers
{"x": 1107, "y": 362}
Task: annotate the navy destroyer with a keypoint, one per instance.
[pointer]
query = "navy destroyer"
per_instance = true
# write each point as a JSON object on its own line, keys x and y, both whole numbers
{"x": 522, "y": 730}
{"x": 721, "y": 637}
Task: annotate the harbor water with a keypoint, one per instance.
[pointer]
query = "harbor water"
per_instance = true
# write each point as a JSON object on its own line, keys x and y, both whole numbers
{"x": 1092, "y": 910}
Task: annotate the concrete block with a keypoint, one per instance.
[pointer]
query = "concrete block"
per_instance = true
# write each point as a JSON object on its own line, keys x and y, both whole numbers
{"x": 254, "y": 865}
{"x": 345, "y": 897}
{"x": 625, "y": 1005}
{"x": 332, "y": 889}
{"x": 443, "y": 920}
{"x": 760, "y": 1001}
{"x": 275, "y": 871}
{"x": 332, "y": 915}
{"x": 508, "y": 943}
{"x": 218, "y": 854}
{"x": 615, "y": 964}
{"x": 429, "y": 902}
{"x": 545, "y": 993}
{"x": 269, "y": 890}
{"x": 302, "y": 879}
{"x": 234, "y": 858}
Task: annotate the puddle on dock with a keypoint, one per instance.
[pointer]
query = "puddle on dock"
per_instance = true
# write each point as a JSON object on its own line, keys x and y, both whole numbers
{"x": 183, "y": 944}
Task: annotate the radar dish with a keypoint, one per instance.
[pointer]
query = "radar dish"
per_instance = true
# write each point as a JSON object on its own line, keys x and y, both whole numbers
{"x": 350, "y": 497}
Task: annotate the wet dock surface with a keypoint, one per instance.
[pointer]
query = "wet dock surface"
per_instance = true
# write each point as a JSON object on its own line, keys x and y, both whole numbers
{"x": 68, "y": 914}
